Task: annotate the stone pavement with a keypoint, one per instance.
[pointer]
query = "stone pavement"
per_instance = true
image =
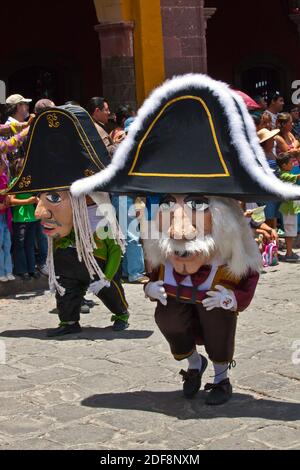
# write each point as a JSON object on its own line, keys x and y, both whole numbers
{"x": 104, "y": 390}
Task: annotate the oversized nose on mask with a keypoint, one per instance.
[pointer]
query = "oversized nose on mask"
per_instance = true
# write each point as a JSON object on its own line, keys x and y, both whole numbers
{"x": 41, "y": 212}
{"x": 181, "y": 227}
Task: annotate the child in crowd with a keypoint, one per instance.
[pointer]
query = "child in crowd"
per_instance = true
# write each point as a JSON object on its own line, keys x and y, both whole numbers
{"x": 289, "y": 209}
{"x": 24, "y": 228}
{"x": 259, "y": 227}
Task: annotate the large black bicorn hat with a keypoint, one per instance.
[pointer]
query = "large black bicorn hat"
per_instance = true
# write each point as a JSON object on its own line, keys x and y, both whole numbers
{"x": 63, "y": 146}
{"x": 192, "y": 135}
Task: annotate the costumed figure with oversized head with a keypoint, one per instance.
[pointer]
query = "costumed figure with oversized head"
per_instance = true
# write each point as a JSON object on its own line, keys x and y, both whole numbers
{"x": 63, "y": 145}
{"x": 193, "y": 148}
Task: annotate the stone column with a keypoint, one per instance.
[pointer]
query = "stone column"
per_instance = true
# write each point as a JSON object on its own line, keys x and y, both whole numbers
{"x": 208, "y": 13}
{"x": 117, "y": 61}
{"x": 184, "y": 36}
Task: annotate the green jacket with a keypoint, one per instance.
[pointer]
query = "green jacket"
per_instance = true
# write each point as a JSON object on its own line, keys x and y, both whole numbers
{"x": 289, "y": 207}
{"x": 107, "y": 250}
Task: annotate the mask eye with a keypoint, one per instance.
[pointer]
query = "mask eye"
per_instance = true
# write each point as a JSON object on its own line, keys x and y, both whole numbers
{"x": 198, "y": 205}
{"x": 54, "y": 198}
{"x": 102, "y": 221}
{"x": 166, "y": 205}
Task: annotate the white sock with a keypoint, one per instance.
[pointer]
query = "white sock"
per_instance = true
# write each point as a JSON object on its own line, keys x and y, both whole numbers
{"x": 221, "y": 372}
{"x": 195, "y": 361}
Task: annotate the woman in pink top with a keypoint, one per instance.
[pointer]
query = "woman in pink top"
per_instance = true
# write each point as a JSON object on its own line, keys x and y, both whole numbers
{"x": 285, "y": 140}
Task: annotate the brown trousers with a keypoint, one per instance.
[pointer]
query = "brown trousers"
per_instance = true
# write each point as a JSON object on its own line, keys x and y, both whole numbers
{"x": 186, "y": 325}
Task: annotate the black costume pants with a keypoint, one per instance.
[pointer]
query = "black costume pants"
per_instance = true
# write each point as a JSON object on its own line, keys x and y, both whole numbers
{"x": 74, "y": 277}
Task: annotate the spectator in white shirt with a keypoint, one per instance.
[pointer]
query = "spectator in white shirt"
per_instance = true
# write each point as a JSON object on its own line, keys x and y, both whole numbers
{"x": 275, "y": 102}
{"x": 17, "y": 108}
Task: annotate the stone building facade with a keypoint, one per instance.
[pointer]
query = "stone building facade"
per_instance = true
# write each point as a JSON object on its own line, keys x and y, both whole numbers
{"x": 122, "y": 49}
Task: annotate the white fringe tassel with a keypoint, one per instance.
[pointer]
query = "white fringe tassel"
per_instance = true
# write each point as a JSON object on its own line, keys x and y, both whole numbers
{"x": 85, "y": 245}
{"x": 84, "y": 238}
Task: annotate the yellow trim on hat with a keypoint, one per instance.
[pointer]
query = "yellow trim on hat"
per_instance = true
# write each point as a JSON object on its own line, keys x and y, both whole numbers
{"x": 10, "y": 190}
{"x": 171, "y": 175}
{"x": 76, "y": 122}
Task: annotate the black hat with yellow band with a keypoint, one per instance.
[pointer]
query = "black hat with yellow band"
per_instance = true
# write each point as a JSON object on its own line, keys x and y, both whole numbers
{"x": 63, "y": 145}
{"x": 192, "y": 135}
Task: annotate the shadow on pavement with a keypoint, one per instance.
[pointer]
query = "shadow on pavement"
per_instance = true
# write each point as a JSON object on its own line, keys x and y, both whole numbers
{"x": 26, "y": 296}
{"x": 173, "y": 404}
{"x": 88, "y": 333}
{"x": 13, "y": 288}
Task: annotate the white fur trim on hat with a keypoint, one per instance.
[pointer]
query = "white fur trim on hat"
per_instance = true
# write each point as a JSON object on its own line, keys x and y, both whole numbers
{"x": 251, "y": 155}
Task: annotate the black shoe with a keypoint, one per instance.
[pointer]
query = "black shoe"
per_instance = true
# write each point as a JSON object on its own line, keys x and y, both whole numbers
{"x": 120, "y": 322}
{"x": 64, "y": 330}
{"x": 218, "y": 393}
{"x": 89, "y": 303}
{"x": 120, "y": 325}
{"x": 84, "y": 308}
{"x": 192, "y": 379}
{"x": 54, "y": 310}
{"x": 35, "y": 275}
{"x": 24, "y": 277}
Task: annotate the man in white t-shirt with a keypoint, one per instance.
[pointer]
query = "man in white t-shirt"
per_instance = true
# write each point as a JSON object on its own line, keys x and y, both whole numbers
{"x": 275, "y": 102}
{"x": 18, "y": 108}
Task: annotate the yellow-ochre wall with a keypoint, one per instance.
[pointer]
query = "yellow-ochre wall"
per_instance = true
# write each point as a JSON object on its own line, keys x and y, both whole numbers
{"x": 148, "y": 38}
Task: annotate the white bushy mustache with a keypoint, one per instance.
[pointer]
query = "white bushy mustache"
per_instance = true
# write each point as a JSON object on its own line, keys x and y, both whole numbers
{"x": 157, "y": 251}
{"x": 169, "y": 247}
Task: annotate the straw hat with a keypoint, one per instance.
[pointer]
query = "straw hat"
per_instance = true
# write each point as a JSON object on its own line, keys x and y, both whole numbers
{"x": 265, "y": 134}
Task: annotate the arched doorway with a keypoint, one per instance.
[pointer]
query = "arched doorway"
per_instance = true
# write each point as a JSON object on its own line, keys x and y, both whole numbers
{"x": 58, "y": 79}
{"x": 261, "y": 80}
{"x": 260, "y": 75}
{"x": 34, "y": 82}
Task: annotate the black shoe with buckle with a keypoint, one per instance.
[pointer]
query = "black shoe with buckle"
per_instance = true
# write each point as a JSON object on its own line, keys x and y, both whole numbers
{"x": 218, "y": 393}
{"x": 192, "y": 379}
{"x": 64, "y": 329}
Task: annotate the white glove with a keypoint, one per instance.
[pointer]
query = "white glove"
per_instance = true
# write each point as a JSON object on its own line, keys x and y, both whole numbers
{"x": 220, "y": 298}
{"x": 155, "y": 290}
{"x": 96, "y": 286}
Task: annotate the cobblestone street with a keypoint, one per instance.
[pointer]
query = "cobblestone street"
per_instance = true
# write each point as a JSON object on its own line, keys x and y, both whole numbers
{"x": 106, "y": 390}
